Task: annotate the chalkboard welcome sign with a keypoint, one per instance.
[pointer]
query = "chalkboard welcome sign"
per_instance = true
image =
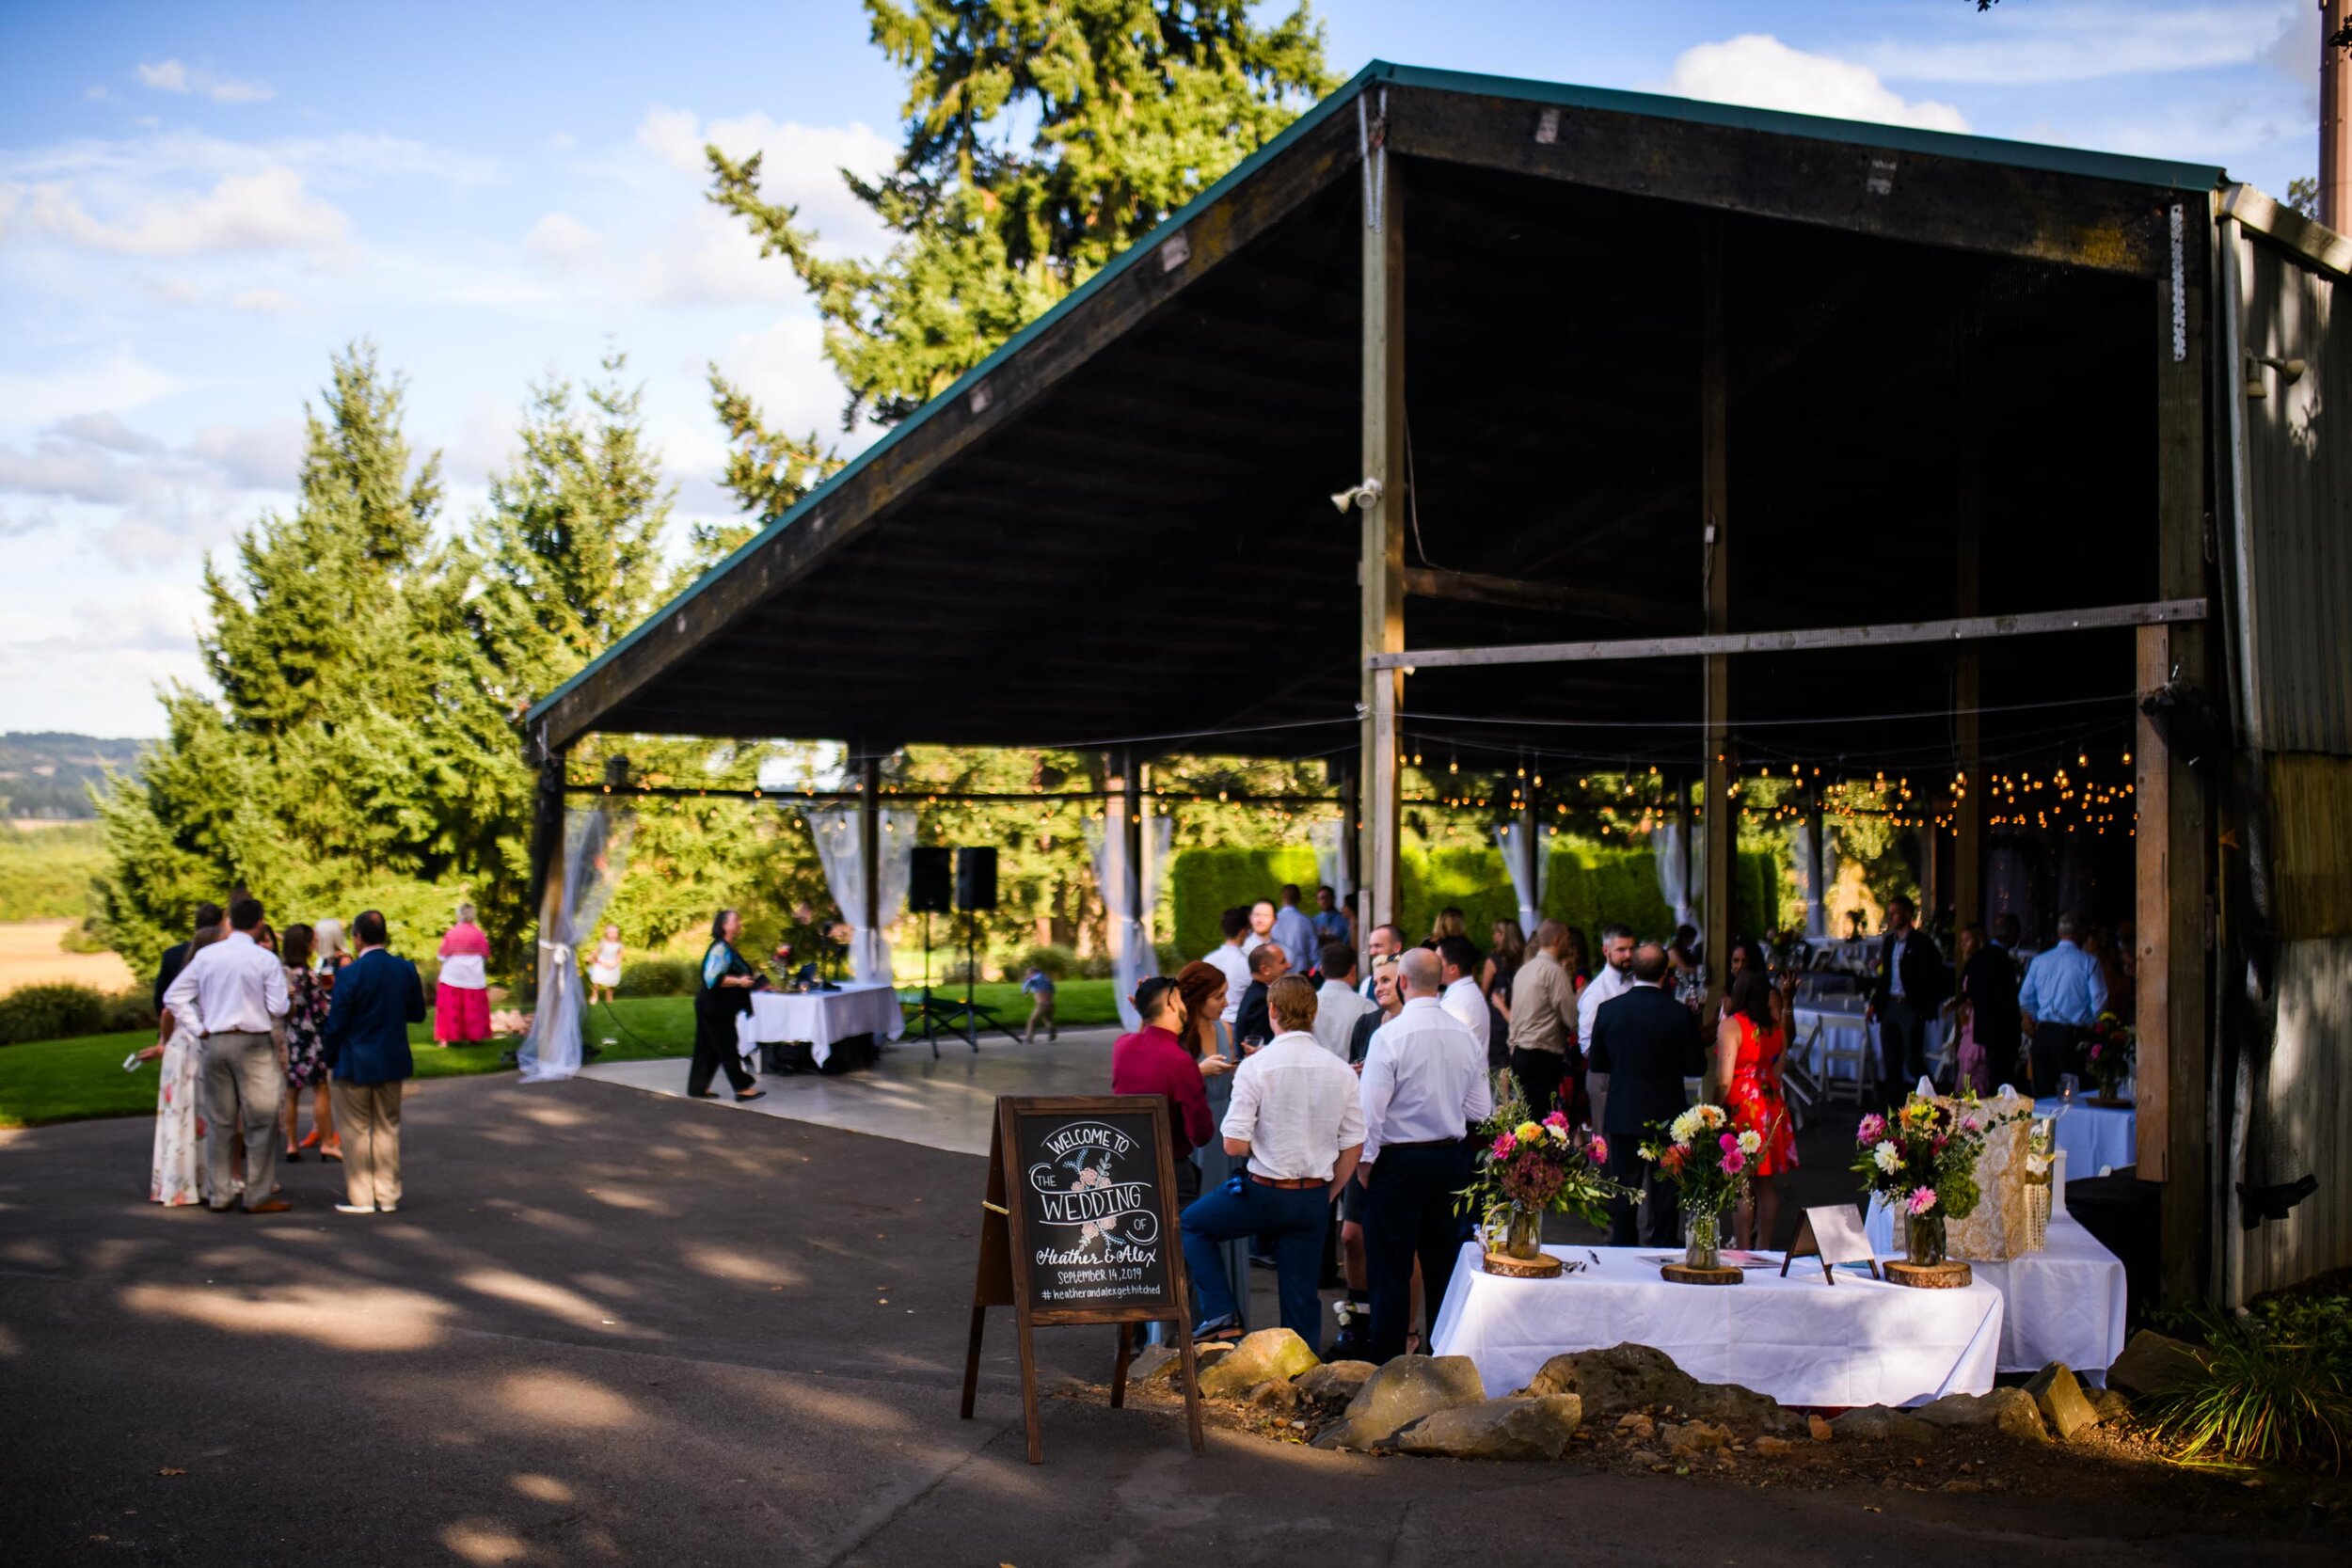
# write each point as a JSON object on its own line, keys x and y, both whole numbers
{"x": 1079, "y": 1227}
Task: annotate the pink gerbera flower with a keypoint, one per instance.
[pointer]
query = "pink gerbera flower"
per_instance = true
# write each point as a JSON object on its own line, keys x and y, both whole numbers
{"x": 1505, "y": 1146}
{"x": 1921, "y": 1201}
{"x": 1734, "y": 1162}
{"x": 1600, "y": 1150}
{"x": 1873, "y": 1128}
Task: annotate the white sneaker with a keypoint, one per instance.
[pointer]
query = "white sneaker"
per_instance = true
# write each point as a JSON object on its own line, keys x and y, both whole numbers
{"x": 388, "y": 1208}
{"x": 354, "y": 1209}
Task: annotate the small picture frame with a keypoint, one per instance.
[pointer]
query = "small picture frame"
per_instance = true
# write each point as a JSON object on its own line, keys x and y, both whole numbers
{"x": 1833, "y": 1235}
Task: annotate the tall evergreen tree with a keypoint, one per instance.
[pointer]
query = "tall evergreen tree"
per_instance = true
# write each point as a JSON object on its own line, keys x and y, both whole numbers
{"x": 769, "y": 473}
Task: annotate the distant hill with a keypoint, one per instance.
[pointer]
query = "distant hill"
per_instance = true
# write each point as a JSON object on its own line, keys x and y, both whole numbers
{"x": 49, "y": 775}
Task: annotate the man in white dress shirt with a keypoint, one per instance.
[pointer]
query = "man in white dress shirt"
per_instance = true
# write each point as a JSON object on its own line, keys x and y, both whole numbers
{"x": 1615, "y": 980}
{"x": 1232, "y": 960}
{"x": 1424, "y": 1087}
{"x": 233, "y": 994}
{"x": 1338, "y": 1003}
{"x": 1457, "y": 970}
{"x": 1296, "y": 1116}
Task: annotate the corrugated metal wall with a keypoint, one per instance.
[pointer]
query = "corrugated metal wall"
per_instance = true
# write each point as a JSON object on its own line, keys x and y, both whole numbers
{"x": 2296, "y": 601}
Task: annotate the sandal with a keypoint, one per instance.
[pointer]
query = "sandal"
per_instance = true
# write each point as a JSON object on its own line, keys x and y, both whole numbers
{"x": 312, "y": 1139}
{"x": 747, "y": 1099}
{"x": 293, "y": 1155}
{"x": 334, "y": 1153}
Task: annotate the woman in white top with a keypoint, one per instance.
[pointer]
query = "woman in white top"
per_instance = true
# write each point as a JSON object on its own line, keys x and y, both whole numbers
{"x": 461, "y": 992}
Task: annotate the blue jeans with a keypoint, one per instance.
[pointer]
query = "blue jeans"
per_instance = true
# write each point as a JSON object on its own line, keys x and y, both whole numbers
{"x": 1294, "y": 1221}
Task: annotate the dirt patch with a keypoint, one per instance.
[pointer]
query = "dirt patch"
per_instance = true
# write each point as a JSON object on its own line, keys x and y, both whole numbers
{"x": 29, "y": 956}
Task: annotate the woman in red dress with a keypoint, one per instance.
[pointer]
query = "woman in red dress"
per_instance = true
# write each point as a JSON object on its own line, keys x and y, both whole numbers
{"x": 1748, "y": 1052}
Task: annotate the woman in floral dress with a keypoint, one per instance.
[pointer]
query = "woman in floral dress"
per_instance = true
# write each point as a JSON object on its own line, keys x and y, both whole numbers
{"x": 176, "y": 1175}
{"x": 1749, "y": 1048}
{"x": 308, "y": 990}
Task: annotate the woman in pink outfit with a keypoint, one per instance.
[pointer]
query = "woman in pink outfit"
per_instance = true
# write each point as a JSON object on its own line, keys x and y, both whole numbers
{"x": 461, "y": 994}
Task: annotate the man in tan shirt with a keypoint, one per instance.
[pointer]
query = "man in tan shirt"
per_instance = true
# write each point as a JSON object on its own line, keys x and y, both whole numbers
{"x": 1543, "y": 1020}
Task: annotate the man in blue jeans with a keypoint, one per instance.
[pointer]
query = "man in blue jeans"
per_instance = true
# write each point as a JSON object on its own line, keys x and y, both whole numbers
{"x": 1297, "y": 1117}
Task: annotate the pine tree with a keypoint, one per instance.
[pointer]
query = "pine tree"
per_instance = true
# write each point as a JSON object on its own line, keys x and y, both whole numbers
{"x": 1132, "y": 108}
{"x": 768, "y": 472}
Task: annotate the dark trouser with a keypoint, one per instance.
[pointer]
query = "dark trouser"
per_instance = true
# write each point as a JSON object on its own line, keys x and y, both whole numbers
{"x": 714, "y": 1047}
{"x": 1540, "y": 1073}
{"x": 1292, "y": 1220}
{"x": 1410, "y": 1213}
{"x": 2057, "y": 1048}
{"x": 1999, "y": 1046}
{"x": 1628, "y": 1171}
{"x": 1902, "y": 1047}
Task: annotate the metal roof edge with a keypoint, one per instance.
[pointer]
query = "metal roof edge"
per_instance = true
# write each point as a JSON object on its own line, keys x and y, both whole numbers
{"x": 2308, "y": 238}
{"x": 2126, "y": 168}
{"x": 1314, "y": 116}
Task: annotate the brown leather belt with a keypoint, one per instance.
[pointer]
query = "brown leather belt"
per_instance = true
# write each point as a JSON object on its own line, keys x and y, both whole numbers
{"x": 1290, "y": 1183}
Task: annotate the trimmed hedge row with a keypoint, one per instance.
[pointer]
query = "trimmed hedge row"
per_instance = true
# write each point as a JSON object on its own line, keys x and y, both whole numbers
{"x": 1589, "y": 885}
{"x": 65, "y": 1010}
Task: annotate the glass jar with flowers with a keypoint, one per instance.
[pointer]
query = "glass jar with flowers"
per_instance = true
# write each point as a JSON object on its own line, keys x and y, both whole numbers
{"x": 1707, "y": 1162}
{"x": 2109, "y": 1051}
{"x": 1923, "y": 1163}
{"x": 1526, "y": 1170}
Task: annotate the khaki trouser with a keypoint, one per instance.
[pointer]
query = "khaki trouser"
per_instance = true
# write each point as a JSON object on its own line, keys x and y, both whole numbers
{"x": 1041, "y": 1012}
{"x": 367, "y": 1119}
{"x": 245, "y": 1088}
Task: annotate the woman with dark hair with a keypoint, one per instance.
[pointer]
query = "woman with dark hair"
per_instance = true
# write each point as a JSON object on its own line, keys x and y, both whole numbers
{"x": 1749, "y": 1049}
{"x": 1495, "y": 975}
{"x": 1576, "y": 957}
{"x": 308, "y": 993}
{"x": 1210, "y": 1043}
{"x": 723, "y": 996}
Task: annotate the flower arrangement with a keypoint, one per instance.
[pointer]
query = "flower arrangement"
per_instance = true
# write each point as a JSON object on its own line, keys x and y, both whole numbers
{"x": 1528, "y": 1169}
{"x": 1708, "y": 1161}
{"x": 1923, "y": 1163}
{"x": 2112, "y": 1051}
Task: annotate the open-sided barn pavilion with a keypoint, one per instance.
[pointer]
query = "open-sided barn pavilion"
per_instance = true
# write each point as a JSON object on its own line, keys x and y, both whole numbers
{"x": 1678, "y": 434}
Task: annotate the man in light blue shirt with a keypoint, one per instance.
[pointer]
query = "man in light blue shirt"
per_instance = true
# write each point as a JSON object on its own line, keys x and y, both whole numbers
{"x": 1296, "y": 932}
{"x": 2062, "y": 997}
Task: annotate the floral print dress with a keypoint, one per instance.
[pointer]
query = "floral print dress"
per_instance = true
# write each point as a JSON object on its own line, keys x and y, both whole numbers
{"x": 176, "y": 1178}
{"x": 308, "y": 993}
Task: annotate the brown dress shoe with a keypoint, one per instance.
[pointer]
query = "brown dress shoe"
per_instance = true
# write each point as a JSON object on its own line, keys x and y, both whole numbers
{"x": 268, "y": 1206}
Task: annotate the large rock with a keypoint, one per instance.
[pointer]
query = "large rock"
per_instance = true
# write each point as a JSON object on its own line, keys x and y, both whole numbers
{"x": 1401, "y": 1393}
{"x": 2061, "y": 1400}
{"x": 1879, "y": 1423}
{"x": 1497, "y": 1429}
{"x": 2009, "y": 1411}
{"x": 1332, "y": 1385}
{"x": 2153, "y": 1363}
{"x": 1261, "y": 1357}
{"x": 1638, "y": 1377}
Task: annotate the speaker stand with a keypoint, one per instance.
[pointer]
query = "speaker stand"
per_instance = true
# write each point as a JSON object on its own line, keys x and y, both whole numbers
{"x": 936, "y": 1012}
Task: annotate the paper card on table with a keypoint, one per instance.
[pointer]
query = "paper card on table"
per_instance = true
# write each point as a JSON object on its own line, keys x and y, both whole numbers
{"x": 1833, "y": 1235}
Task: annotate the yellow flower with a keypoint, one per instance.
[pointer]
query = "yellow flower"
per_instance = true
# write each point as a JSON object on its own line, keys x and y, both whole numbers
{"x": 1528, "y": 1132}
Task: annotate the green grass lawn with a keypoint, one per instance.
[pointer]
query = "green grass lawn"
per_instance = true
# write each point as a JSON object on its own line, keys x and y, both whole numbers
{"x": 46, "y": 1081}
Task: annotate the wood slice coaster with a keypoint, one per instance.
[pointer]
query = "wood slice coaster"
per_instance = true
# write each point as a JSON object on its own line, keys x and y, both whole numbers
{"x": 1683, "y": 1273}
{"x": 2108, "y": 1103}
{"x": 1929, "y": 1276}
{"x": 1541, "y": 1266}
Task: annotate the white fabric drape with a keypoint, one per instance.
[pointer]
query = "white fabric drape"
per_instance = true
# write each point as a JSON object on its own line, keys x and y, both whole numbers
{"x": 836, "y": 830}
{"x": 1673, "y": 871}
{"x": 1816, "y": 895}
{"x": 1329, "y": 838}
{"x": 595, "y": 853}
{"x": 1127, "y": 926}
{"x": 1527, "y": 853}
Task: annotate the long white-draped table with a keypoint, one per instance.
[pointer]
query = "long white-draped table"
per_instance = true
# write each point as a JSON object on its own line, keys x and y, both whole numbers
{"x": 1801, "y": 1340}
{"x": 2064, "y": 1302}
{"x": 2094, "y": 1137}
{"x": 821, "y": 1018}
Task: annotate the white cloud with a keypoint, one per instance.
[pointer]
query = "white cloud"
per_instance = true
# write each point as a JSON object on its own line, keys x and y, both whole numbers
{"x": 269, "y": 210}
{"x": 180, "y": 77}
{"x": 2039, "y": 45}
{"x": 783, "y": 367}
{"x": 1759, "y": 70}
{"x": 264, "y": 302}
{"x": 93, "y": 667}
{"x": 163, "y": 503}
{"x": 562, "y": 242}
{"x": 121, "y": 382}
{"x": 800, "y": 167}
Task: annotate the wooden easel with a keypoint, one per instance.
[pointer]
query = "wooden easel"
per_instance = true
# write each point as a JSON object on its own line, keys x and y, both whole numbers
{"x": 1006, "y": 1277}
{"x": 1835, "y": 1232}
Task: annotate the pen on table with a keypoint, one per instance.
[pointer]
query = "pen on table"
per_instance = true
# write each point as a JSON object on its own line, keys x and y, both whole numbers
{"x": 1594, "y": 1255}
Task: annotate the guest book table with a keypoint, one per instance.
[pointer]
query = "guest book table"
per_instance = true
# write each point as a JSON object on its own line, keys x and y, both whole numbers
{"x": 2094, "y": 1137}
{"x": 1801, "y": 1340}
{"x": 2064, "y": 1302}
{"x": 823, "y": 1019}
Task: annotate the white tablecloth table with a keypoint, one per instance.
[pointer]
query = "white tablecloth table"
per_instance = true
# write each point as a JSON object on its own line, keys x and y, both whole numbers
{"x": 820, "y": 1018}
{"x": 2064, "y": 1302}
{"x": 2093, "y": 1136}
{"x": 1801, "y": 1340}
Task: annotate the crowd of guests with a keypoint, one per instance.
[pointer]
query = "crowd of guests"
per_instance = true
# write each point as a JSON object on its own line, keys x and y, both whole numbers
{"x": 1302, "y": 1088}
{"x": 250, "y": 1017}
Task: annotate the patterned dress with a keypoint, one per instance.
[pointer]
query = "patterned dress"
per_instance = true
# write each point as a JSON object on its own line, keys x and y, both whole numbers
{"x": 308, "y": 993}
{"x": 1755, "y": 1102}
{"x": 176, "y": 1177}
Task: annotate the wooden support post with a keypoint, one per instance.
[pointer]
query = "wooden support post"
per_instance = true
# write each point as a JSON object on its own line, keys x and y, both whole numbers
{"x": 1382, "y": 562}
{"x": 1968, "y": 807}
{"x": 1129, "y": 804}
{"x": 867, "y": 966}
{"x": 1722, "y": 821}
{"x": 2171, "y": 844}
{"x": 1817, "y": 903}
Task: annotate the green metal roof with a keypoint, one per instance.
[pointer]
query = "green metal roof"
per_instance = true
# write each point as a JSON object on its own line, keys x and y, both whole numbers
{"x": 2094, "y": 165}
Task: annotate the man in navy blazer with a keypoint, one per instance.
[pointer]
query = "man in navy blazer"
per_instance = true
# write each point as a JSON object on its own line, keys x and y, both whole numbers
{"x": 1647, "y": 1043}
{"x": 376, "y": 997}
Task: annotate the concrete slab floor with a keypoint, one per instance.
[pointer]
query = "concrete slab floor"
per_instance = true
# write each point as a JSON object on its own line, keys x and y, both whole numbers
{"x": 610, "y": 1327}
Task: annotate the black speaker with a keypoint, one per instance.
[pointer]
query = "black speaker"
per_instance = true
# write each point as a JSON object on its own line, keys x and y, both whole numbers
{"x": 976, "y": 877}
{"x": 930, "y": 881}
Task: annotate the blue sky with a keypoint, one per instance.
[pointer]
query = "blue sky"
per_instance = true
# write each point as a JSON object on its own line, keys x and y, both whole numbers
{"x": 197, "y": 204}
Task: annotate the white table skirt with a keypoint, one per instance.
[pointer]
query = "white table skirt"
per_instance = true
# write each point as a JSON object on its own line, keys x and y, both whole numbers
{"x": 2064, "y": 1302}
{"x": 1801, "y": 1340}
{"x": 819, "y": 1017}
{"x": 2093, "y": 1136}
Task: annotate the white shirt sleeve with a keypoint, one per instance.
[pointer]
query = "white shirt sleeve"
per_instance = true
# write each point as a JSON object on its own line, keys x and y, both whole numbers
{"x": 1351, "y": 1115}
{"x": 1586, "y": 1005}
{"x": 1241, "y": 1111}
{"x": 180, "y": 1000}
{"x": 1378, "y": 1086}
{"x": 274, "y": 990}
{"x": 1479, "y": 1104}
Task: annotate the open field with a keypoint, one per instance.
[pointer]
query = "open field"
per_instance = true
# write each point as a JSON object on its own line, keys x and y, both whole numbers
{"x": 29, "y": 956}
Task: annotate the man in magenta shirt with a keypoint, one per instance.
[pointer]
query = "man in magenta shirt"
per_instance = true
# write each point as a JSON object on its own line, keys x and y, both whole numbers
{"x": 1153, "y": 1060}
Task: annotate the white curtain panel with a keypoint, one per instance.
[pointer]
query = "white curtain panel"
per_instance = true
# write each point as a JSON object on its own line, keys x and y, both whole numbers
{"x": 836, "y": 830}
{"x": 1329, "y": 838}
{"x": 1816, "y": 898}
{"x": 595, "y": 853}
{"x": 1126, "y": 926}
{"x": 1673, "y": 871}
{"x": 1527, "y": 853}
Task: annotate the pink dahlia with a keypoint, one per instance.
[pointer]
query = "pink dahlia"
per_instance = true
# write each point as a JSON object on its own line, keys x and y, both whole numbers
{"x": 1734, "y": 1162}
{"x": 1873, "y": 1128}
{"x": 1921, "y": 1201}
